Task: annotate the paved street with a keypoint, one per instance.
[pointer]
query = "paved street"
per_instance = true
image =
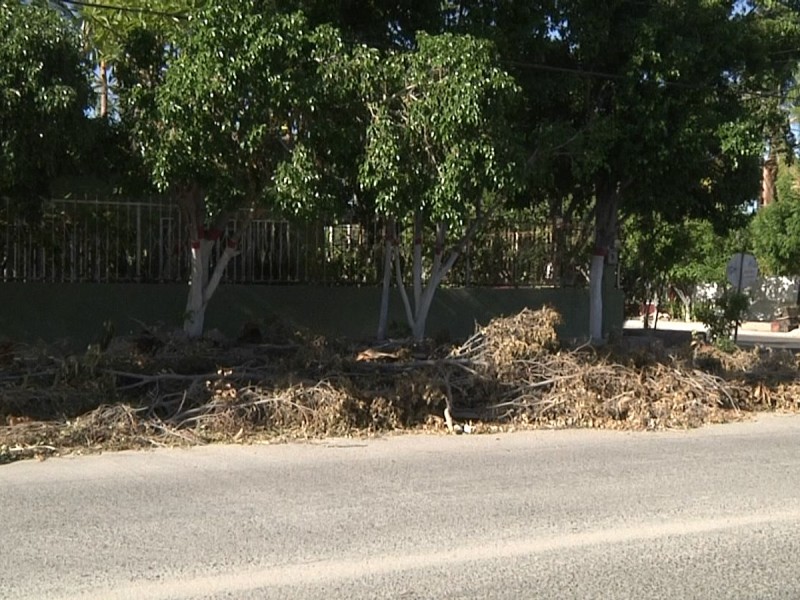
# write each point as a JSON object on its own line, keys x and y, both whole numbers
{"x": 750, "y": 334}
{"x": 711, "y": 513}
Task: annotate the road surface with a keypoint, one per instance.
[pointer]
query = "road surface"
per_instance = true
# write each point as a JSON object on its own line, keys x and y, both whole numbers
{"x": 711, "y": 513}
{"x": 750, "y": 334}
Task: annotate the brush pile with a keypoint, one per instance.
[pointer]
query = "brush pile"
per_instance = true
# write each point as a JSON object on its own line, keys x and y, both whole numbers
{"x": 159, "y": 389}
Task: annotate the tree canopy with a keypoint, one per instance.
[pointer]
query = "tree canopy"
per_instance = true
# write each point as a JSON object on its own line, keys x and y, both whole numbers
{"x": 440, "y": 136}
{"x": 44, "y": 90}
{"x": 422, "y": 114}
{"x": 231, "y": 102}
{"x": 776, "y": 227}
{"x": 440, "y": 151}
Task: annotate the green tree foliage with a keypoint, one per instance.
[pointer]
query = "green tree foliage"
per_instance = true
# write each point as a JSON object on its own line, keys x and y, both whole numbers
{"x": 705, "y": 254}
{"x": 44, "y": 89}
{"x": 439, "y": 135}
{"x": 667, "y": 131}
{"x": 375, "y": 23}
{"x": 651, "y": 112}
{"x": 660, "y": 258}
{"x": 236, "y": 101}
{"x": 128, "y": 43}
{"x": 723, "y": 315}
{"x": 109, "y": 28}
{"x": 109, "y": 25}
{"x": 776, "y": 227}
{"x": 234, "y": 114}
{"x": 650, "y": 249}
{"x": 773, "y": 62}
{"x": 440, "y": 150}
{"x": 663, "y": 122}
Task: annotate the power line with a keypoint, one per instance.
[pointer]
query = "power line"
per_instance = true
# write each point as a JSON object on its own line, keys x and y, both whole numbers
{"x": 128, "y": 9}
{"x": 570, "y": 70}
{"x": 533, "y": 66}
{"x": 619, "y": 77}
{"x": 577, "y": 71}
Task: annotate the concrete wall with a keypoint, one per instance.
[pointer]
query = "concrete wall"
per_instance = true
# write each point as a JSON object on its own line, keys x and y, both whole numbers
{"x": 75, "y": 312}
{"x": 768, "y": 296}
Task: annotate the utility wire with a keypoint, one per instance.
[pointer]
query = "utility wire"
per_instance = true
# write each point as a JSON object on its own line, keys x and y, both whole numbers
{"x": 520, "y": 64}
{"x": 595, "y": 74}
{"x": 129, "y": 9}
{"x": 619, "y": 77}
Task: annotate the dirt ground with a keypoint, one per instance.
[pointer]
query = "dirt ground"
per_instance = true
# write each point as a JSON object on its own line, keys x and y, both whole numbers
{"x": 275, "y": 382}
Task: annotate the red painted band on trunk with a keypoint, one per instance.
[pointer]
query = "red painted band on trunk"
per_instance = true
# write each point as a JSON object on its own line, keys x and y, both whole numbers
{"x": 601, "y": 252}
{"x": 196, "y": 244}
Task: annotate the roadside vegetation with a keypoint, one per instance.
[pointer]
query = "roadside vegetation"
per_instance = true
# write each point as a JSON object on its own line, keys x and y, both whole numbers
{"x": 161, "y": 389}
{"x": 428, "y": 120}
{"x": 621, "y": 140}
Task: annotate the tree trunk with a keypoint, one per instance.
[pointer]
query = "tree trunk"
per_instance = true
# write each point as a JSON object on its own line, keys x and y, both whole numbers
{"x": 596, "y": 297}
{"x": 416, "y": 267}
{"x": 659, "y": 293}
{"x": 389, "y": 242}
{"x": 559, "y": 242}
{"x": 203, "y": 284}
{"x": 414, "y": 315}
{"x": 646, "y": 298}
{"x": 686, "y": 302}
{"x": 605, "y": 234}
{"x": 417, "y": 315}
{"x": 769, "y": 175}
{"x": 194, "y": 316}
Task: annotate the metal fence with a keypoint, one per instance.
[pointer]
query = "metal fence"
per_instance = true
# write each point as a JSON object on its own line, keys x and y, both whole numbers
{"x": 94, "y": 240}
{"x": 84, "y": 240}
{"x": 79, "y": 240}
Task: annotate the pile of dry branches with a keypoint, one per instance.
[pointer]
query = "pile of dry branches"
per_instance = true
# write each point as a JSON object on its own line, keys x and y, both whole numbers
{"x": 621, "y": 387}
{"x": 160, "y": 389}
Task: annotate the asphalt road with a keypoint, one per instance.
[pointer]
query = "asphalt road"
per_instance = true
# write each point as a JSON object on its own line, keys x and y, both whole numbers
{"x": 711, "y": 513}
{"x": 677, "y": 332}
{"x": 790, "y": 341}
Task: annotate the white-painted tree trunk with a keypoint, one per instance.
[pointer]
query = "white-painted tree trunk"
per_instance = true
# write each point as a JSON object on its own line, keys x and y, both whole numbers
{"x": 417, "y": 315}
{"x": 201, "y": 286}
{"x": 596, "y": 298}
{"x": 202, "y": 282}
{"x": 686, "y": 302}
{"x": 605, "y": 235}
{"x": 194, "y": 316}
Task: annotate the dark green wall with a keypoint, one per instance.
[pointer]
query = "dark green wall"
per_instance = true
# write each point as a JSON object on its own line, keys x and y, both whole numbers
{"x": 75, "y": 312}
